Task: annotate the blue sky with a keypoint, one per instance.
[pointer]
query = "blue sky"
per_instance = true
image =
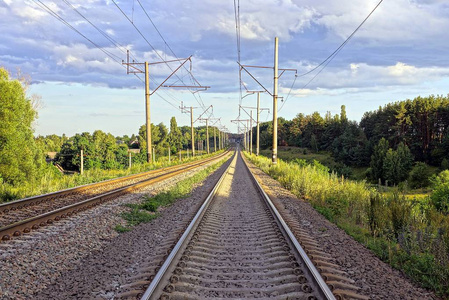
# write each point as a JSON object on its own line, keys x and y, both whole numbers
{"x": 401, "y": 52}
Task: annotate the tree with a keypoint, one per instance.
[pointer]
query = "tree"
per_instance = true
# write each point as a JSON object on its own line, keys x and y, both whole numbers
{"x": 377, "y": 159}
{"x": 343, "y": 116}
{"x": 391, "y": 167}
{"x": 419, "y": 175}
{"x": 405, "y": 158}
{"x": 20, "y": 158}
{"x": 174, "y": 137}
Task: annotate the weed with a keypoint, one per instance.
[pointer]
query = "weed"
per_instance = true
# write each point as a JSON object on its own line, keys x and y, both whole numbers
{"x": 409, "y": 233}
{"x": 121, "y": 229}
{"x": 146, "y": 211}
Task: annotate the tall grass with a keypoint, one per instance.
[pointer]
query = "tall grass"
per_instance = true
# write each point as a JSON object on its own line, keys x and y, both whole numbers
{"x": 52, "y": 180}
{"x": 411, "y": 235}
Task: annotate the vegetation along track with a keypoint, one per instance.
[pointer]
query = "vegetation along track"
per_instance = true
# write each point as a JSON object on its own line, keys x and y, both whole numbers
{"x": 22, "y": 216}
{"x": 237, "y": 246}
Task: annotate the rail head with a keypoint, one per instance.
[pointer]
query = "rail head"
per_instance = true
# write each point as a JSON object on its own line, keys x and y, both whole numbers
{"x": 324, "y": 288}
{"x": 33, "y": 223}
{"x": 20, "y": 203}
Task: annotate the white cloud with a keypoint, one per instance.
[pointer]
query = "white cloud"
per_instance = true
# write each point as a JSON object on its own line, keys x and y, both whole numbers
{"x": 363, "y": 77}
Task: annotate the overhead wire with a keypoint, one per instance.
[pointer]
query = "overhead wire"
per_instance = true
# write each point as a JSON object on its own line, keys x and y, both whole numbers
{"x": 325, "y": 62}
{"x": 62, "y": 20}
{"x": 200, "y": 101}
{"x": 143, "y": 36}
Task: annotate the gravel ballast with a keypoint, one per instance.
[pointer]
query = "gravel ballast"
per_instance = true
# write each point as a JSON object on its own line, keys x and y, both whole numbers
{"x": 84, "y": 257}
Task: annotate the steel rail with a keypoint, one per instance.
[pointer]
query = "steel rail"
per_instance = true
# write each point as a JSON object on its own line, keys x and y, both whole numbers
{"x": 25, "y": 226}
{"x": 182, "y": 242}
{"x": 30, "y": 201}
{"x": 324, "y": 288}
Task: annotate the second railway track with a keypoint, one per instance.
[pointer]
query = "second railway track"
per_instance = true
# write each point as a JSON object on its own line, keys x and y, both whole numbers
{"x": 237, "y": 247}
{"x": 22, "y": 216}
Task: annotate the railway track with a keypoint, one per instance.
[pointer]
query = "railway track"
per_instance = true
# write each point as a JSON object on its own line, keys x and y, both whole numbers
{"x": 237, "y": 246}
{"x": 22, "y": 216}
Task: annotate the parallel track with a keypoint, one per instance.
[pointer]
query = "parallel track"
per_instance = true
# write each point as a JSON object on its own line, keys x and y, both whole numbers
{"x": 48, "y": 214}
{"x": 237, "y": 246}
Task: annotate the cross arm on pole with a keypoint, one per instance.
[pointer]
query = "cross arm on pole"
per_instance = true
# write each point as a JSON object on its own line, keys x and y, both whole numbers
{"x": 188, "y": 59}
{"x": 242, "y": 107}
{"x": 242, "y": 67}
{"x": 199, "y": 117}
{"x": 185, "y": 109}
{"x": 281, "y": 69}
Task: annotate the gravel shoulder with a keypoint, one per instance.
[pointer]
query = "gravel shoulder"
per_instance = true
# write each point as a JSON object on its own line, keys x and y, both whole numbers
{"x": 375, "y": 278}
{"x": 84, "y": 257}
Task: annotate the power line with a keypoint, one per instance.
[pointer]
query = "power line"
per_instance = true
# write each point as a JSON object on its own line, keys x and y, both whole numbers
{"x": 108, "y": 37}
{"x": 325, "y": 62}
{"x": 171, "y": 50}
{"x": 238, "y": 40}
{"x": 61, "y": 19}
{"x": 333, "y": 54}
{"x": 142, "y": 35}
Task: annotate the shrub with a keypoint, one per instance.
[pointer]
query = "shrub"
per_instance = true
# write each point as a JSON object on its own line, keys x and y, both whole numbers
{"x": 376, "y": 211}
{"x": 401, "y": 210}
{"x": 440, "y": 194}
{"x": 419, "y": 176}
{"x": 445, "y": 164}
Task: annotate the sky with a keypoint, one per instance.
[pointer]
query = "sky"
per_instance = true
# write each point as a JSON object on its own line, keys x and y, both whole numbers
{"x": 401, "y": 52}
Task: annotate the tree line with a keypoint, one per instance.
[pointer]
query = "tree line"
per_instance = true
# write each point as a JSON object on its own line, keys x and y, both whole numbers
{"x": 105, "y": 151}
{"x": 388, "y": 140}
{"x": 22, "y": 156}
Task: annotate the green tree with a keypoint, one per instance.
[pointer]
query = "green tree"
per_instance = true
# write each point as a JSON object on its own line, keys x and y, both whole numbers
{"x": 419, "y": 176}
{"x": 397, "y": 164}
{"x": 391, "y": 167}
{"x": 343, "y": 116}
{"x": 377, "y": 159}
{"x": 20, "y": 158}
{"x": 405, "y": 158}
{"x": 174, "y": 137}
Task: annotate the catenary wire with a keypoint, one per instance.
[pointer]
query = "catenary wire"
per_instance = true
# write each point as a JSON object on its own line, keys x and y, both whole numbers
{"x": 146, "y": 40}
{"x": 325, "y": 62}
{"x": 160, "y": 34}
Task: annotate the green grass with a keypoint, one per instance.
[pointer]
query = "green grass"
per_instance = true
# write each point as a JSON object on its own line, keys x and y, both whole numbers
{"x": 406, "y": 232}
{"x": 147, "y": 210}
{"x": 325, "y": 158}
{"x": 52, "y": 180}
{"x": 291, "y": 153}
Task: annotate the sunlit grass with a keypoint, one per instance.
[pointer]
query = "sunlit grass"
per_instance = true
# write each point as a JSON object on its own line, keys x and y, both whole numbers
{"x": 52, "y": 180}
{"x": 147, "y": 210}
{"x": 404, "y": 230}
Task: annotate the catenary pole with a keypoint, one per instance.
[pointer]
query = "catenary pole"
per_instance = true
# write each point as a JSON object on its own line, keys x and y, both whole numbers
{"x": 251, "y": 133}
{"x": 192, "y": 133}
{"x": 275, "y": 103}
{"x": 147, "y": 111}
{"x": 207, "y": 135}
{"x": 257, "y": 134}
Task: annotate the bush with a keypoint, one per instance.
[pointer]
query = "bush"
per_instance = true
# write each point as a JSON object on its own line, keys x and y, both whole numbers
{"x": 401, "y": 212}
{"x": 440, "y": 194}
{"x": 444, "y": 164}
{"x": 376, "y": 213}
{"x": 419, "y": 176}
